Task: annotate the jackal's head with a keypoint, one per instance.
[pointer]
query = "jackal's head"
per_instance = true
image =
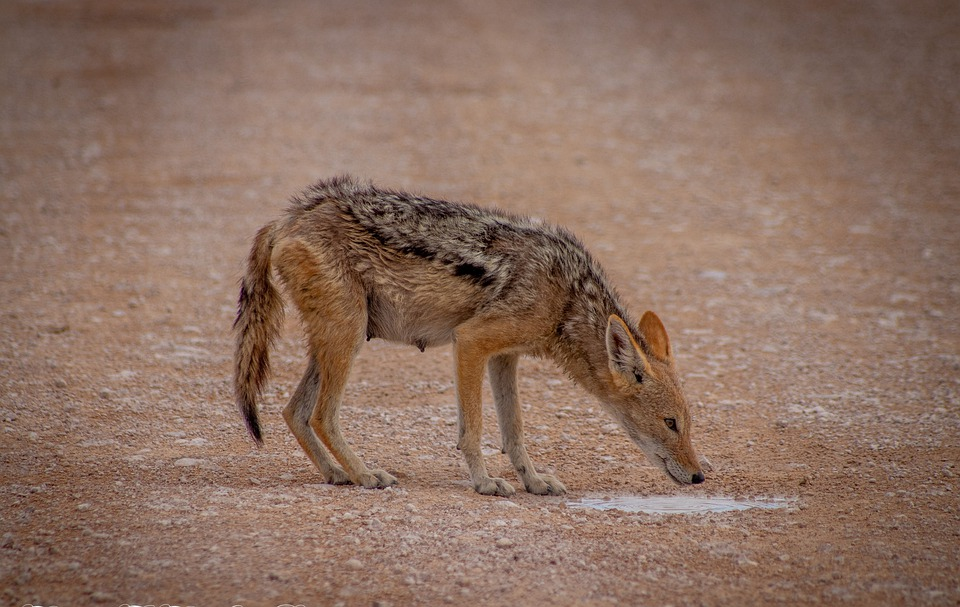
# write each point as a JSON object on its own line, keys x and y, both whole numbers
{"x": 647, "y": 399}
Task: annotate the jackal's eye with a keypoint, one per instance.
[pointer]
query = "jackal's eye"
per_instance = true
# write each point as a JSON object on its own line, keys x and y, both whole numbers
{"x": 671, "y": 423}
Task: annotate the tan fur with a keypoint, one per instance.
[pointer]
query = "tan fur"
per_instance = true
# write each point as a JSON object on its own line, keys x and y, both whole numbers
{"x": 359, "y": 263}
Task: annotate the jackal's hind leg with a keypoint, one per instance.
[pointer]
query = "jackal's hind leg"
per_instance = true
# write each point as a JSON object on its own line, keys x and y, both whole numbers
{"x": 334, "y": 316}
{"x": 334, "y": 360}
{"x": 503, "y": 381}
{"x": 297, "y": 415}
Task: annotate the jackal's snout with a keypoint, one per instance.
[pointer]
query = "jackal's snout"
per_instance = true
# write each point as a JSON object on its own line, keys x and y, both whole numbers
{"x": 681, "y": 474}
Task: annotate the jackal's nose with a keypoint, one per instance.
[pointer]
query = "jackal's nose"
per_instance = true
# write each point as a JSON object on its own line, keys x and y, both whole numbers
{"x": 697, "y": 478}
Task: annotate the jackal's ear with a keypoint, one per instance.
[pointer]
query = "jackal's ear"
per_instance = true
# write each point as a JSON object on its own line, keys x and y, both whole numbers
{"x": 655, "y": 334}
{"x": 625, "y": 356}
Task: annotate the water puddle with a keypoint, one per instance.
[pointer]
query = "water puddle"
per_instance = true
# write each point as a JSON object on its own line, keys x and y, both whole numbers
{"x": 678, "y": 504}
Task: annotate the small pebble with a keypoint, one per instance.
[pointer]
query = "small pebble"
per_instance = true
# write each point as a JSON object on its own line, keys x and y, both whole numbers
{"x": 504, "y": 542}
{"x": 354, "y": 565}
{"x": 715, "y": 275}
{"x": 187, "y": 462}
{"x": 102, "y": 597}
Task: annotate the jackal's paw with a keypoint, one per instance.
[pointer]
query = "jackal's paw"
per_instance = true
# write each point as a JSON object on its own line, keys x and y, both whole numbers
{"x": 544, "y": 484}
{"x": 337, "y": 476}
{"x": 494, "y": 486}
{"x": 377, "y": 479}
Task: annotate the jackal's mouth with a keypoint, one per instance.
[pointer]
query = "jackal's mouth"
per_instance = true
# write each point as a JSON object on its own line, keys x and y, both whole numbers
{"x": 670, "y": 473}
{"x": 651, "y": 451}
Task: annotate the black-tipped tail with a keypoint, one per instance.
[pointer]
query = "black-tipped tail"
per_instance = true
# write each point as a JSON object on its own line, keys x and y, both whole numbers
{"x": 259, "y": 316}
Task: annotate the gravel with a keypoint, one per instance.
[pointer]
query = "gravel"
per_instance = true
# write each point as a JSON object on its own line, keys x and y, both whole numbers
{"x": 778, "y": 182}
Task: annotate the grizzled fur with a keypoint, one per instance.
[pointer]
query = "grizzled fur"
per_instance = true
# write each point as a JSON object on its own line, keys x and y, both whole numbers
{"x": 361, "y": 262}
{"x": 503, "y": 256}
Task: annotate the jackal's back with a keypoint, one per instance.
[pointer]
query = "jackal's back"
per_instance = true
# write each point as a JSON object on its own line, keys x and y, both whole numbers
{"x": 506, "y": 255}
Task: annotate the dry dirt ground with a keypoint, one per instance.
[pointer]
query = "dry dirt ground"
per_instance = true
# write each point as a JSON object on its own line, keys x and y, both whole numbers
{"x": 780, "y": 182}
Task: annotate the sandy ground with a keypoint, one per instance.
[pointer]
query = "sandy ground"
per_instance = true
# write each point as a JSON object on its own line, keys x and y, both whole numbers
{"x": 780, "y": 182}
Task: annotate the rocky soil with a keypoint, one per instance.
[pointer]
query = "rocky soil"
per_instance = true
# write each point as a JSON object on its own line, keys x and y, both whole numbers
{"x": 781, "y": 183}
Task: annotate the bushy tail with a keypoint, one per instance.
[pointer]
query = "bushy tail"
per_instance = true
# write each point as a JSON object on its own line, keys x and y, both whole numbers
{"x": 259, "y": 318}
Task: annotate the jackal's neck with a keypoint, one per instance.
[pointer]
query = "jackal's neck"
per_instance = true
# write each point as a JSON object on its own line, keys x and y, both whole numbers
{"x": 580, "y": 348}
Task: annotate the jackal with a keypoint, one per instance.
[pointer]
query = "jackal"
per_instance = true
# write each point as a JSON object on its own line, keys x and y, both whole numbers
{"x": 361, "y": 262}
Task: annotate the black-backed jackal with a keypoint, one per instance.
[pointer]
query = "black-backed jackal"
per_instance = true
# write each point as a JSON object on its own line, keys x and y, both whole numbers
{"x": 361, "y": 262}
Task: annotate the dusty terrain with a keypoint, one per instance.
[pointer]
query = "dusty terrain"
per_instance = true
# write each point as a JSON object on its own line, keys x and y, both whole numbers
{"x": 782, "y": 185}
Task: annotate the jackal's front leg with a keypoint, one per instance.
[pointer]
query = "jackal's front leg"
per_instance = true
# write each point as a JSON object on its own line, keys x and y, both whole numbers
{"x": 470, "y": 361}
{"x": 503, "y": 380}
